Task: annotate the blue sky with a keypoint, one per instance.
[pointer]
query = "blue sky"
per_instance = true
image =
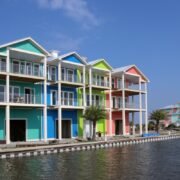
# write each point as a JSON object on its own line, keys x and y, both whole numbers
{"x": 141, "y": 32}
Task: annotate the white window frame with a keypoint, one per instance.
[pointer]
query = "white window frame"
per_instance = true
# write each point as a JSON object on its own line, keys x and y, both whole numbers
{"x": 34, "y": 64}
{"x": 31, "y": 68}
{"x": 67, "y": 75}
{"x": 11, "y": 95}
{"x": 15, "y": 60}
{"x": 50, "y": 69}
{"x": 68, "y": 98}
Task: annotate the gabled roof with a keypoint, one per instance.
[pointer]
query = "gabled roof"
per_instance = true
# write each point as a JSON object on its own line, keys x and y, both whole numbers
{"x": 91, "y": 63}
{"x": 83, "y": 60}
{"x": 126, "y": 68}
{"x": 171, "y": 106}
{"x": 26, "y": 39}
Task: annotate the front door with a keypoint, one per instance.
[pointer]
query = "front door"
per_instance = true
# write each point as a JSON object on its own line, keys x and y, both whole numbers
{"x": 17, "y": 130}
{"x": 66, "y": 128}
{"x": 118, "y": 127}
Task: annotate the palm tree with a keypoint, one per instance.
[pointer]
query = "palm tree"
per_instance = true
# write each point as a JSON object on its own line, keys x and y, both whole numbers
{"x": 158, "y": 115}
{"x": 94, "y": 113}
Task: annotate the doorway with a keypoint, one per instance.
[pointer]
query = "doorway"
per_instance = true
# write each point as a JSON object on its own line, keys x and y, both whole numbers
{"x": 66, "y": 128}
{"x": 17, "y": 130}
{"x": 118, "y": 127}
{"x": 29, "y": 95}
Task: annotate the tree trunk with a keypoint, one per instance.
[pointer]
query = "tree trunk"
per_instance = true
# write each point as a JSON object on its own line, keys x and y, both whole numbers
{"x": 94, "y": 130}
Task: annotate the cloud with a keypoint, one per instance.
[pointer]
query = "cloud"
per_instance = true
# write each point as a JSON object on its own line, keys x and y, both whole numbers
{"x": 75, "y": 9}
{"x": 64, "y": 42}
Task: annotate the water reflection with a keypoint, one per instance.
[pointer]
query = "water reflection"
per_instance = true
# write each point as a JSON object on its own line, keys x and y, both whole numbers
{"x": 158, "y": 160}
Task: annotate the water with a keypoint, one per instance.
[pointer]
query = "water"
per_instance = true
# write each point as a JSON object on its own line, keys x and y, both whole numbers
{"x": 157, "y": 160}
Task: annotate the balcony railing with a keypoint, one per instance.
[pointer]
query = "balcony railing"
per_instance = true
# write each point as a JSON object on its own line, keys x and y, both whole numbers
{"x": 100, "y": 103}
{"x": 2, "y": 66}
{"x": 25, "y": 99}
{"x": 71, "y": 102}
{"x": 25, "y": 70}
{"x": 71, "y": 78}
{"x": 100, "y": 83}
{"x": 131, "y": 105}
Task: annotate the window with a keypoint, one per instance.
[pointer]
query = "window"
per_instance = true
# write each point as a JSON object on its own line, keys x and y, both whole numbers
{"x": 22, "y": 68}
{"x": 28, "y": 68}
{"x": 67, "y": 98}
{"x": 16, "y": 67}
{"x": 2, "y": 93}
{"x": 14, "y": 94}
{"x": 2, "y": 65}
{"x": 70, "y": 75}
{"x": 36, "y": 70}
{"x": 63, "y": 77}
{"x": 53, "y": 97}
{"x": 87, "y": 100}
{"x": 119, "y": 83}
{"x": 102, "y": 81}
{"x": 53, "y": 73}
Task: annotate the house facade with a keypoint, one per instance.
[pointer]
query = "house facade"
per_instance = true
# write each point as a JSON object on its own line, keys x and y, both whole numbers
{"x": 43, "y": 95}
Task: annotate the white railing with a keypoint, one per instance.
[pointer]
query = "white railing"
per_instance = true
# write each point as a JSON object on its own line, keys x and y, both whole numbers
{"x": 100, "y": 83}
{"x": 131, "y": 105}
{"x": 71, "y": 78}
{"x": 100, "y": 103}
{"x": 2, "y": 66}
{"x": 132, "y": 86}
{"x": 117, "y": 105}
{"x": 25, "y": 99}
{"x": 71, "y": 102}
{"x": 25, "y": 70}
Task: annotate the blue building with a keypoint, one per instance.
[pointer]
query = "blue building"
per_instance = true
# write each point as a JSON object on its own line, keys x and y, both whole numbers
{"x": 68, "y": 86}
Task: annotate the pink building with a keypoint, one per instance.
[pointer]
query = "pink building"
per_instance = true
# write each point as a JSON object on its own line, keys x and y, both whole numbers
{"x": 128, "y": 97}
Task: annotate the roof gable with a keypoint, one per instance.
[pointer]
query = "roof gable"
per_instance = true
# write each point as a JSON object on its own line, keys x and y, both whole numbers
{"x": 101, "y": 64}
{"x": 27, "y": 44}
{"x": 73, "y": 57}
{"x": 134, "y": 70}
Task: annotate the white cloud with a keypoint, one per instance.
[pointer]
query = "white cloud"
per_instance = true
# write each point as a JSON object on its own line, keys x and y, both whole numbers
{"x": 76, "y": 9}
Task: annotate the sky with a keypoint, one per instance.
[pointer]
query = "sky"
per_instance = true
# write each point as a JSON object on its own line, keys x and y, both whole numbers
{"x": 141, "y": 32}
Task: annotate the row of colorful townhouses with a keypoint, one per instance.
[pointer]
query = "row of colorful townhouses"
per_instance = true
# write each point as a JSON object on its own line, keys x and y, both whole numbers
{"x": 43, "y": 95}
{"x": 173, "y": 114}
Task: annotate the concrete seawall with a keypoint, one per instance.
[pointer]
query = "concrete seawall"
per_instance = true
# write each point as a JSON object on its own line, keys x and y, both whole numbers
{"x": 53, "y": 149}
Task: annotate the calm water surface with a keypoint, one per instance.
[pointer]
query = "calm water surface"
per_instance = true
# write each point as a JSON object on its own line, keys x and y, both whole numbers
{"x": 157, "y": 160}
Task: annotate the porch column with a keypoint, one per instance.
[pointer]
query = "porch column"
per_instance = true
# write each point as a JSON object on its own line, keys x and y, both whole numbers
{"x": 146, "y": 109}
{"x": 45, "y": 100}
{"x": 133, "y": 128}
{"x": 59, "y": 102}
{"x": 90, "y": 86}
{"x": 84, "y": 86}
{"x": 140, "y": 108}
{"x": 123, "y": 105}
{"x": 110, "y": 104}
{"x": 7, "y": 98}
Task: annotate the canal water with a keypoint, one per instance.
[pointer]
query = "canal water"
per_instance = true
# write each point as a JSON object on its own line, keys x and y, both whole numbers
{"x": 157, "y": 160}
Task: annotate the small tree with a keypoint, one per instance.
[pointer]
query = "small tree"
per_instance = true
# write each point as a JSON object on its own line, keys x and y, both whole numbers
{"x": 158, "y": 115}
{"x": 94, "y": 114}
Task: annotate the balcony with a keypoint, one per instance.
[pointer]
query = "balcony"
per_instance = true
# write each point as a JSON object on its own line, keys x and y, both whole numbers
{"x": 71, "y": 78}
{"x": 71, "y": 102}
{"x": 129, "y": 105}
{"x": 99, "y": 103}
{"x": 26, "y": 69}
{"x": 25, "y": 99}
{"x": 102, "y": 83}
